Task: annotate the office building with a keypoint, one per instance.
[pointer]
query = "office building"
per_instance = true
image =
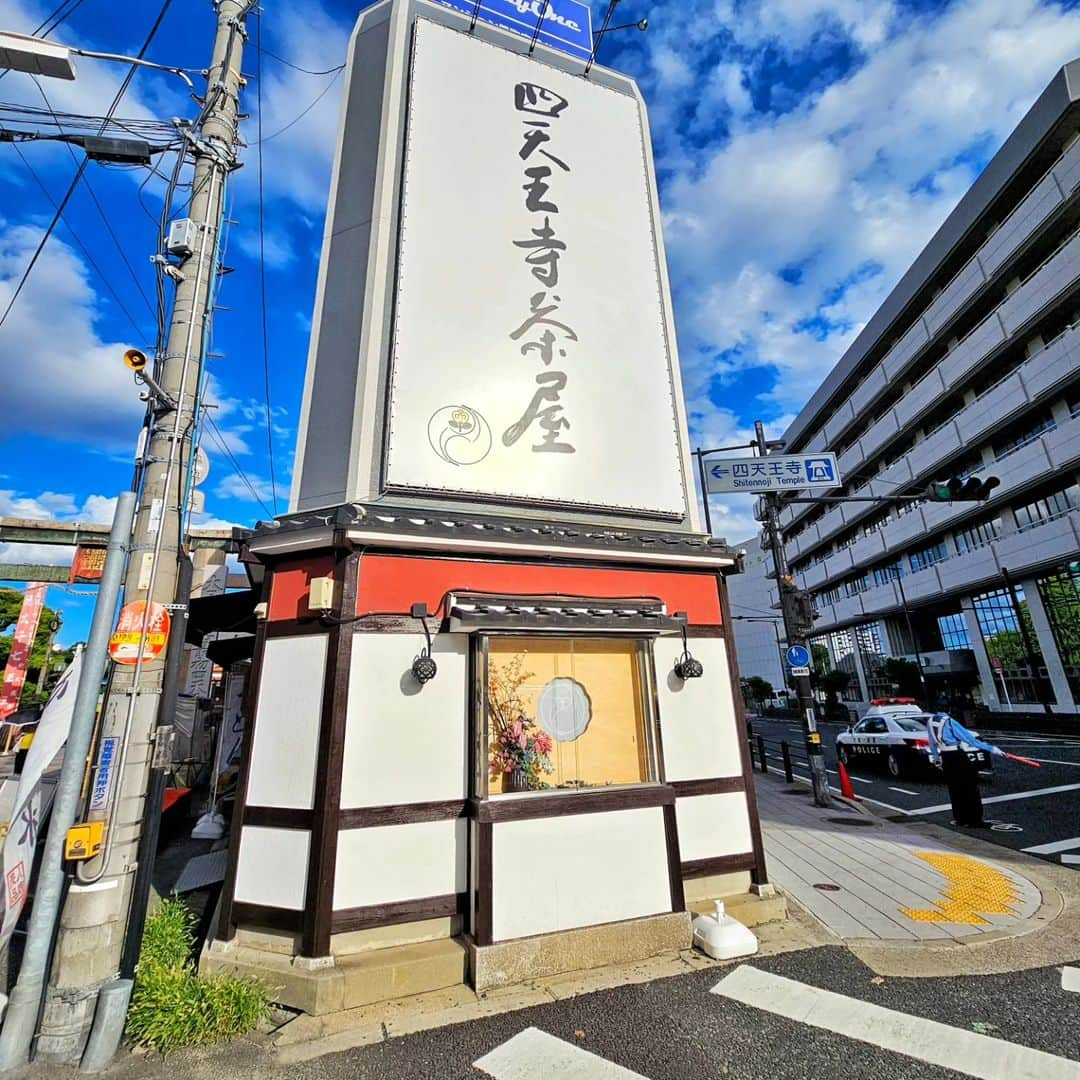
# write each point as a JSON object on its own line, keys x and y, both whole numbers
{"x": 759, "y": 630}
{"x": 971, "y": 367}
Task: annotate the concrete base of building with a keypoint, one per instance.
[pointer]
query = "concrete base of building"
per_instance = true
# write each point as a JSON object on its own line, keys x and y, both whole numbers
{"x": 746, "y": 908}
{"x": 508, "y": 962}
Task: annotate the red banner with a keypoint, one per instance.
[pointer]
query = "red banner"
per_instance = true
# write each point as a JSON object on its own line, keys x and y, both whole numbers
{"x": 22, "y": 643}
{"x": 88, "y": 565}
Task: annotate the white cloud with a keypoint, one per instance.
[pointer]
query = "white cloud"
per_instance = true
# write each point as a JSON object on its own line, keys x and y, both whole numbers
{"x": 232, "y": 486}
{"x": 57, "y": 506}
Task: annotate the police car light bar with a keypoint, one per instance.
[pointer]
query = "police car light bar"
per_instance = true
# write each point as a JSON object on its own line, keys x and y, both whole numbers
{"x": 894, "y": 701}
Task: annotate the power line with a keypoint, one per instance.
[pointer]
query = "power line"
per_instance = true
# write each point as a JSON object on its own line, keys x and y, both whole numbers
{"x": 322, "y": 93}
{"x": 82, "y": 167}
{"x": 295, "y": 67}
{"x": 262, "y": 264}
{"x": 215, "y": 432}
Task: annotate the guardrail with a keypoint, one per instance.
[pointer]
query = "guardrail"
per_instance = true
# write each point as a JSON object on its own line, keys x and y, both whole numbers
{"x": 778, "y": 754}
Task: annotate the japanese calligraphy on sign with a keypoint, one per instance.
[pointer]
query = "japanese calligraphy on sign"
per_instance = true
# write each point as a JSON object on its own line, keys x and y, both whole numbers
{"x": 532, "y": 352}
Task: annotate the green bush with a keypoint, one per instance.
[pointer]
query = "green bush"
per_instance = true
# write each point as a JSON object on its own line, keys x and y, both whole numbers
{"x": 172, "y": 1005}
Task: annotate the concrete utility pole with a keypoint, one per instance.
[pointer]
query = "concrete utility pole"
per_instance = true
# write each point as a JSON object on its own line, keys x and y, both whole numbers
{"x": 96, "y": 914}
{"x": 796, "y": 627}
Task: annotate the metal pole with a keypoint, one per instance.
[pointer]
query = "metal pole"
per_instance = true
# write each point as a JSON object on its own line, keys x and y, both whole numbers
{"x": 1029, "y": 649}
{"x": 93, "y": 935}
{"x": 911, "y": 635}
{"x": 22, "y": 1011}
{"x": 704, "y": 490}
{"x": 43, "y": 674}
{"x": 785, "y": 751}
{"x": 819, "y": 778}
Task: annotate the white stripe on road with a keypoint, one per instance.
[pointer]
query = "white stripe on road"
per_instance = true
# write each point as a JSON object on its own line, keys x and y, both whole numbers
{"x": 1054, "y": 848}
{"x": 1052, "y": 761}
{"x": 1070, "y": 979}
{"x": 1002, "y": 798}
{"x": 1070, "y": 860}
{"x": 904, "y": 791}
{"x": 534, "y": 1055}
{"x": 913, "y": 1036}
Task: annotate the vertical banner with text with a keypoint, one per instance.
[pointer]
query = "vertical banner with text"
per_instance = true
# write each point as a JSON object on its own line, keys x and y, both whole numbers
{"x": 21, "y": 646}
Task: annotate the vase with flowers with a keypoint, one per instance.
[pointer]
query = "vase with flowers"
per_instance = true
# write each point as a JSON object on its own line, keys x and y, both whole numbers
{"x": 519, "y": 748}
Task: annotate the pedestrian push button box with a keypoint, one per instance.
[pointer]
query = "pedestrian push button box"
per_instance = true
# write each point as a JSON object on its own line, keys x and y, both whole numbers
{"x": 84, "y": 840}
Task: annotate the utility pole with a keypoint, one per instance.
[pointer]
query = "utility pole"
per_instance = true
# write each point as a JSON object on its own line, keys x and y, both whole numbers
{"x": 97, "y": 910}
{"x": 794, "y": 608}
{"x": 43, "y": 671}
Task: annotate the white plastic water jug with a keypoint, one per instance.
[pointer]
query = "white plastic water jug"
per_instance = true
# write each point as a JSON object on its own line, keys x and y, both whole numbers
{"x": 723, "y": 937}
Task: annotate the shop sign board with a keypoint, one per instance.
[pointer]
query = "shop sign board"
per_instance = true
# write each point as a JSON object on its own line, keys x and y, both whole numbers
{"x": 777, "y": 472}
{"x": 531, "y": 359}
{"x": 88, "y": 565}
{"x": 565, "y": 25}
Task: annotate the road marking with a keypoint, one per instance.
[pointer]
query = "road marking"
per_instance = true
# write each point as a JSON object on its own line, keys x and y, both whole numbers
{"x": 1070, "y": 979}
{"x": 1054, "y": 848}
{"x": 904, "y": 791}
{"x": 535, "y": 1055}
{"x": 1002, "y": 798}
{"x": 975, "y": 889}
{"x": 1051, "y": 761}
{"x": 912, "y": 1036}
{"x": 1070, "y": 860}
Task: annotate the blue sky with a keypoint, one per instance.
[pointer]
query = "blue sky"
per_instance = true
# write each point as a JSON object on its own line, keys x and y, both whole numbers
{"x": 807, "y": 150}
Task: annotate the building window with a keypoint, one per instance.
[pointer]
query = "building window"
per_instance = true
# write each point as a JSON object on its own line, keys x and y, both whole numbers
{"x": 876, "y": 525}
{"x": 1000, "y": 629}
{"x": 954, "y": 633}
{"x": 927, "y": 556}
{"x": 1020, "y": 438}
{"x": 857, "y": 585}
{"x": 884, "y": 574}
{"x": 977, "y": 536}
{"x": 566, "y": 713}
{"x": 1048, "y": 508}
{"x": 1060, "y": 593}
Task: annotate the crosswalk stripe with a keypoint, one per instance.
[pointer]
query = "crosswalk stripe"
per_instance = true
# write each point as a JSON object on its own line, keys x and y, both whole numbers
{"x": 535, "y": 1055}
{"x": 1071, "y": 860}
{"x": 1053, "y": 848}
{"x": 913, "y": 1036}
{"x": 1070, "y": 979}
{"x": 1003, "y": 798}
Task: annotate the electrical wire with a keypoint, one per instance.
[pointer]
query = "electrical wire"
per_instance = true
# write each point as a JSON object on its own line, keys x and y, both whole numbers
{"x": 101, "y": 211}
{"x": 216, "y": 435}
{"x": 322, "y": 93}
{"x": 262, "y": 266}
{"x": 82, "y": 167}
{"x": 140, "y": 332}
{"x": 296, "y": 67}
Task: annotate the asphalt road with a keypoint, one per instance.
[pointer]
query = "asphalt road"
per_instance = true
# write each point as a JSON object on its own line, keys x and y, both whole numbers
{"x": 674, "y": 1029}
{"x": 1026, "y": 807}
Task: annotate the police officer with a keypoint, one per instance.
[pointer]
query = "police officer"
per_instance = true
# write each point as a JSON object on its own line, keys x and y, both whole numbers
{"x": 950, "y": 743}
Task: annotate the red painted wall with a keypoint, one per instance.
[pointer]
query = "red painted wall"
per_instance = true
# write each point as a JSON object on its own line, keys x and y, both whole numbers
{"x": 292, "y": 580}
{"x": 391, "y": 584}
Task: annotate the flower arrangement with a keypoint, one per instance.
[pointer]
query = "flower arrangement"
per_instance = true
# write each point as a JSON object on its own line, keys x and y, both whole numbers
{"x": 520, "y": 749}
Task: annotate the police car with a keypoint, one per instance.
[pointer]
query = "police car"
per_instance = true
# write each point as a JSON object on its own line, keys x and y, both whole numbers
{"x": 893, "y": 734}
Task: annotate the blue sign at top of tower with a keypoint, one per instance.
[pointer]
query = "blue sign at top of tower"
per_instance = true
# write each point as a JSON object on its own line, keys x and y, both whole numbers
{"x": 565, "y": 25}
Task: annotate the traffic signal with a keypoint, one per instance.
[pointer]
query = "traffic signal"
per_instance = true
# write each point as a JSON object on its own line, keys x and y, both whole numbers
{"x": 960, "y": 490}
{"x": 135, "y": 360}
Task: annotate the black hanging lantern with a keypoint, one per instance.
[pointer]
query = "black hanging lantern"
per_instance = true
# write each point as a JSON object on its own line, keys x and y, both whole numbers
{"x": 686, "y": 667}
{"x": 424, "y": 668}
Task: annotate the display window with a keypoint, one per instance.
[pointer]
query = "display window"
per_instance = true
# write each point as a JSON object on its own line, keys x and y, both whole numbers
{"x": 565, "y": 714}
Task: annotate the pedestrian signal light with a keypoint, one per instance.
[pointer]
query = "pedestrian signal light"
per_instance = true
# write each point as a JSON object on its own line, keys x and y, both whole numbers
{"x": 135, "y": 360}
{"x": 958, "y": 489}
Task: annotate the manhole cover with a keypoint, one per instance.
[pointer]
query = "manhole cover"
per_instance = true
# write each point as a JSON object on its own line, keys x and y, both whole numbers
{"x": 861, "y": 823}
{"x": 826, "y": 886}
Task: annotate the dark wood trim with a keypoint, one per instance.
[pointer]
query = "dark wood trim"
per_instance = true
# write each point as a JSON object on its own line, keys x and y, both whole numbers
{"x": 719, "y": 864}
{"x": 482, "y": 931}
{"x": 400, "y": 911}
{"x": 565, "y": 804}
{"x": 394, "y": 624}
{"x": 277, "y": 817}
{"x": 759, "y": 874}
{"x": 227, "y": 917}
{"x": 675, "y": 873}
{"x": 366, "y": 817}
{"x": 295, "y": 627}
{"x": 704, "y": 630}
{"x": 322, "y": 862}
{"x": 272, "y": 918}
{"x": 717, "y": 785}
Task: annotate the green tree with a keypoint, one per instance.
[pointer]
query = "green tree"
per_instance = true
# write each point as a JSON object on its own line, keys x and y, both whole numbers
{"x": 756, "y": 690}
{"x": 904, "y": 675}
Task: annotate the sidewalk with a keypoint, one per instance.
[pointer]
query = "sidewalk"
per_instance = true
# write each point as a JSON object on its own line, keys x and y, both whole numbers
{"x": 866, "y": 879}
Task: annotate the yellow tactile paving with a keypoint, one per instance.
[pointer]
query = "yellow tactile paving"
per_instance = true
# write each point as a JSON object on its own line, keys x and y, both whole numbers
{"x": 975, "y": 889}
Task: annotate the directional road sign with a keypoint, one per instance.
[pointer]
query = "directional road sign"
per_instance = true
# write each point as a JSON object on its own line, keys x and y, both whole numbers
{"x": 798, "y": 656}
{"x": 777, "y": 472}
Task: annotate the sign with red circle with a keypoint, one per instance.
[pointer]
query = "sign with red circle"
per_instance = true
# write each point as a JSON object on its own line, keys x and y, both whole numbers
{"x": 124, "y": 644}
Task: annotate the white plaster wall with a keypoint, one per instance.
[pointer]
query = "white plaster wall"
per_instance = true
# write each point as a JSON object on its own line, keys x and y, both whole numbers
{"x": 698, "y": 728}
{"x": 400, "y": 862}
{"x": 559, "y": 873}
{"x": 712, "y": 825}
{"x": 272, "y": 867}
{"x": 287, "y": 720}
{"x": 405, "y": 743}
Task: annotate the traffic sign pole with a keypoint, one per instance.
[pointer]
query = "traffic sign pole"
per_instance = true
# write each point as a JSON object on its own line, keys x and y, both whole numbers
{"x": 796, "y": 630}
